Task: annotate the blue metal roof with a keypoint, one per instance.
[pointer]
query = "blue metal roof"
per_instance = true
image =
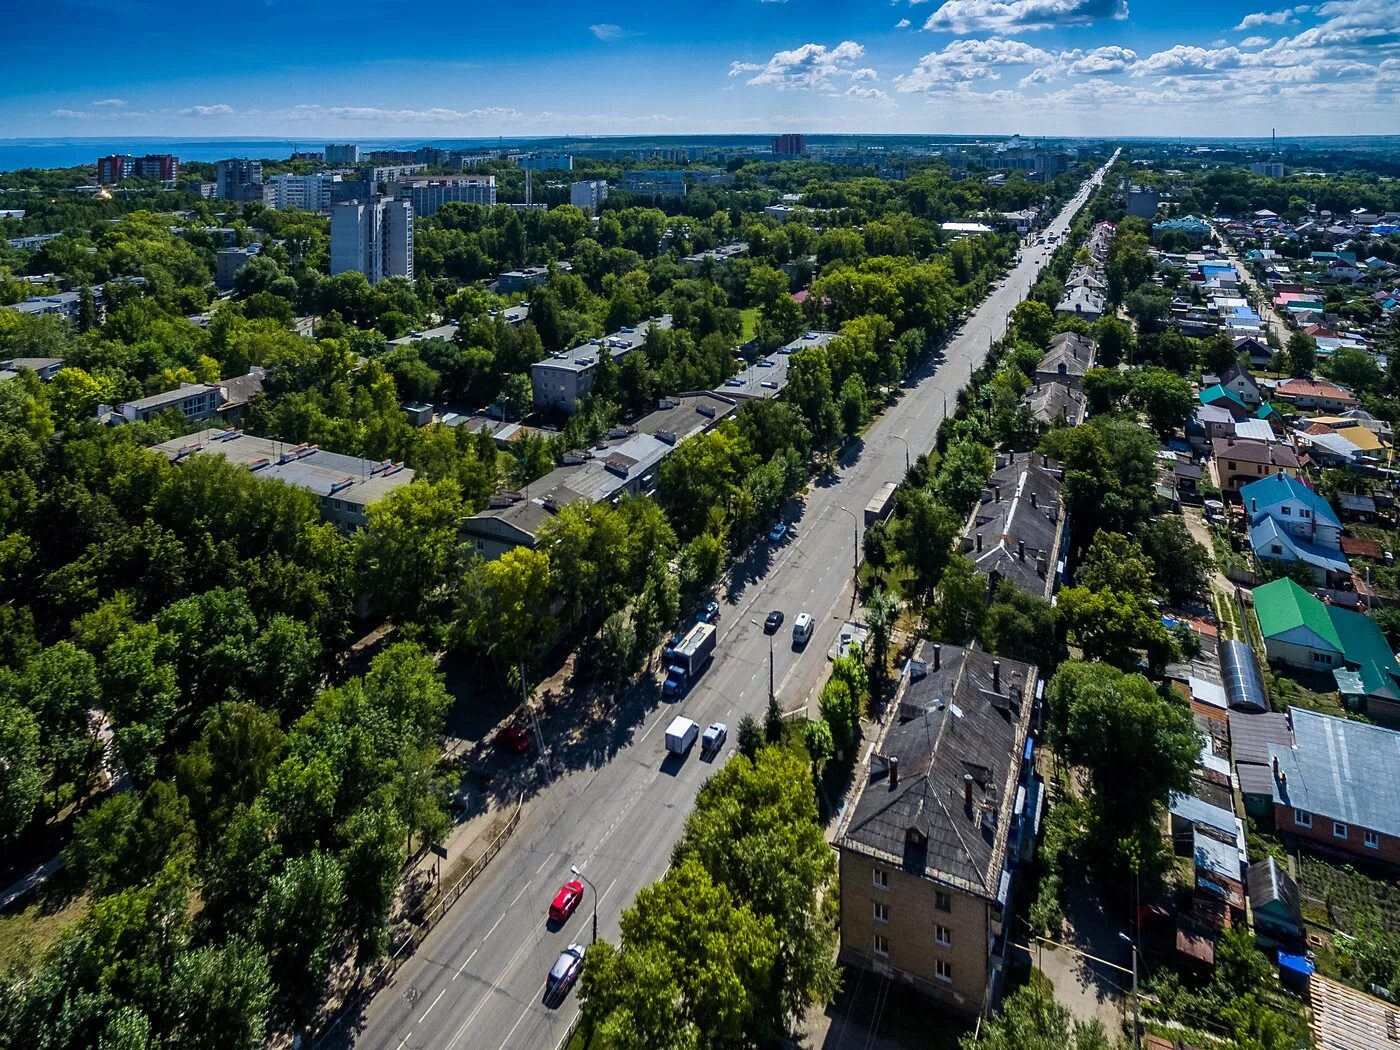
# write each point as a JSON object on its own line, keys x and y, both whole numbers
{"x": 1341, "y": 770}
{"x": 1273, "y": 490}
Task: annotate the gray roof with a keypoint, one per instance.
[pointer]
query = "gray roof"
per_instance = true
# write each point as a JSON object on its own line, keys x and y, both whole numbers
{"x": 1216, "y": 856}
{"x": 168, "y": 397}
{"x": 951, "y": 726}
{"x": 1197, "y": 811}
{"x": 1052, "y": 402}
{"x": 1019, "y": 522}
{"x": 767, "y": 376}
{"x": 348, "y": 478}
{"x": 582, "y": 358}
{"x": 1072, "y": 351}
{"x": 1343, "y": 770}
{"x": 239, "y": 390}
{"x": 1268, "y": 882}
{"x": 1252, "y": 733}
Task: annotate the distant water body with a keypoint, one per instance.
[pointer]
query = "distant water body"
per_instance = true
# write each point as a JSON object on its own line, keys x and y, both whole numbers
{"x": 70, "y": 152}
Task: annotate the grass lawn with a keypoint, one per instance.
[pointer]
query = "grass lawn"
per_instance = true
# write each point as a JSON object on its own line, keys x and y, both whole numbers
{"x": 36, "y": 927}
{"x": 748, "y": 319}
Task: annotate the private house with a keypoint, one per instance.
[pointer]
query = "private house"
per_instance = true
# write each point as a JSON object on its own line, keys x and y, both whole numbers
{"x": 1069, "y": 357}
{"x": 1217, "y": 396}
{"x": 344, "y": 486}
{"x": 1314, "y": 395}
{"x": 1260, "y": 353}
{"x": 1335, "y": 786}
{"x": 1236, "y": 463}
{"x": 1243, "y": 385}
{"x": 1304, "y": 632}
{"x": 1300, "y": 511}
{"x": 1274, "y": 900}
{"x": 622, "y": 463}
{"x": 1018, "y": 530}
{"x": 933, "y": 847}
{"x": 1251, "y": 735}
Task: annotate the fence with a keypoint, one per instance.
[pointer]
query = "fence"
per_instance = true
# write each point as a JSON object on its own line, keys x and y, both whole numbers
{"x": 385, "y": 971}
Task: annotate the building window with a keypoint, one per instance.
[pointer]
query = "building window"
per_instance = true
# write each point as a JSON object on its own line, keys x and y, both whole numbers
{"x": 942, "y": 901}
{"x": 943, "y": 970}
{"x": 1275, "y": 549}
{"x": 1302, "y": 818}
{"x": 882, "y": 879}
{"x": 943, "y": 936}
{"x": 1373, "y": 840}
{"x": 1339, "y": 830}
{"x": 1232, "y": 465}
{"x": 882, "y": 946}
{"x": 882, "y": 912}
{"x": 1304, "y": 513}
{"x": 1287, "y": 511}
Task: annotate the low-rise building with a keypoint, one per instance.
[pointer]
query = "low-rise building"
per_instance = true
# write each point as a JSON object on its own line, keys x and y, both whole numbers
{"x": 1018, "y": 530}
{"x": 1336, "y": 787}
{"x": 228, "y": 261}
{"x": 1082, "y": 302}
{"x": 512, "y": 282}
{"x": 1315, "y": 394}
{"x": 1238, "y": 462}
{"x": 44, "y": 367}
{"x": 1069, "y": 357}
{"x": 344, "y": 486}
{"x": 933, "y": 847}
{"x": 562, "y": 380}
{"x": 623, "y": 463}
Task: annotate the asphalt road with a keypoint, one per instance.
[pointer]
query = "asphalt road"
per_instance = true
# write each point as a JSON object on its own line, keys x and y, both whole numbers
{"x": 477, "y": 981}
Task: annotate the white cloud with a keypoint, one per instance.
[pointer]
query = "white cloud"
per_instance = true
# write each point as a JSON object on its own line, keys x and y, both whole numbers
{"x": 1101, "y": 61}
{"x": 864, "y": 73}
{"x": 974, "y": 16}
{"x": 1187, "y": 60}
{"x": 1254, "y": 41}
{"x": 607, "y": 31}
{"x": 867, "y": 93}
{"x": 809, "y": 67}
{"x": 967, "y": 60}
{"x": 219, "y": 110}
{"x": 1270, "y": 18}
{"x": 110, "y": 103}
{"x": 69, "y": 114}
{"x": 903, "y": 23}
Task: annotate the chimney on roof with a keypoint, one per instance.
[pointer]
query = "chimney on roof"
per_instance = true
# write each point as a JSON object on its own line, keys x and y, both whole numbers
{"x": 967, "y": 791}
{"x": 996, "y": 676}
{"x": 1035, "y": 501}
{"x": 1253, "y": 505}
{"x": 1044, "y": 460}
{"x": 894, "y": 771}
{"x": 979, "y": 543}
{"x": 997, "y": 490}
{"x": 937, "y": 656}
{"x": 1283, "y": 781}
{"x": 1041, "y": 565}
{"x": 1021, "y": 549}
{"x": 1275, "y": 767}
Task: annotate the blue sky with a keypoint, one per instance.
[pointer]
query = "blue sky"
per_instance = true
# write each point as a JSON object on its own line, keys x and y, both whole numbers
{"x": 313, "y": 70}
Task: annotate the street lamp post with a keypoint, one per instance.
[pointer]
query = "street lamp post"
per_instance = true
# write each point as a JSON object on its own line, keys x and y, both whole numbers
{"x": 585, "y": 878}
{"x": 906, "y": 451}
{"x": 1137, "y": 1031}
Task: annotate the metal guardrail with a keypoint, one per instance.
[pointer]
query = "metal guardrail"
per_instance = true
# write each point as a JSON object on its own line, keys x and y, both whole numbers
{"x": 386, "y": 970}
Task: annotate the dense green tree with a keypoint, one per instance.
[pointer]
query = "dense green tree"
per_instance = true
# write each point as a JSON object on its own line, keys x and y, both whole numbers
{"x": 298, "y": 925}
{"x": 409, "y": 550}
{"x": 1165, "y": 398}
{"x": 21, "y": 778}
{"x": 1032, "y": 1019}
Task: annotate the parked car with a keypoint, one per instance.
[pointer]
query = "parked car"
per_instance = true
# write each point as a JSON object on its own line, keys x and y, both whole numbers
{"x": 774, "y": 621}
{"x": 778, "y": 531}
{"x": 566, "y": 901}
{"x": 514, "y": 738}
{"x": 563, "y": 973}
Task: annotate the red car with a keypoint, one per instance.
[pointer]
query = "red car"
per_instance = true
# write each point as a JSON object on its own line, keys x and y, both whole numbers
{"x": 514, "y": 738}
{"x": 566, "y": 901}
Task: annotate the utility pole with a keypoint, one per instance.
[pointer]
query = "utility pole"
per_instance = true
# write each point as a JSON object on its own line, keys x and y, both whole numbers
{"x": 772, "y": 693}
{"x": 855, "y": 553}
{"x": 585, "y": 878}
{"x": 1137, "y": 1028}
{"x": 906, "y": 450}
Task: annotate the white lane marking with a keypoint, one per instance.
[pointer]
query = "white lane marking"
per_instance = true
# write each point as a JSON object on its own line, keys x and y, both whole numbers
{"x": 493, "y": 928}
{"x": 431, "y": 1005}
{"x": 521, "y": 893}
{"x": 541, "y": 867}
{"x": 497, "y": 985}
{"x": 401, "y": 1043}
{"x": 475, "y": 950}
{"x": 612, "y": 884}
{"x": 523, "y": 1015}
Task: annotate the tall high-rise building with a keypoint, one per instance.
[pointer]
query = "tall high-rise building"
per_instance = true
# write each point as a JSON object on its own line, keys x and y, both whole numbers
{"x": 233, "y": 177}
{"x": 789, "y": 145}
{"x": 373, "y": 237}
{"x": 343, "y": 153}
{"x": 546, "y": 162}
{"x": 588, "y": 195}
{"x": 428, "y": 193}
{"x": 119, "y": 166}
{"x": 309, "y": 192}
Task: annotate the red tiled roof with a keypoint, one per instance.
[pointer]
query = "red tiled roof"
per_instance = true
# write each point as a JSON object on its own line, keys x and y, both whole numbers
{"x": 1356, "y": 546}
{"x": 1311, "y": 388}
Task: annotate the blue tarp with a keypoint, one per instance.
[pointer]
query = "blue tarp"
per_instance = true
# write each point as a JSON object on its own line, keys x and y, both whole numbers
{"x": 1295, "y": 963}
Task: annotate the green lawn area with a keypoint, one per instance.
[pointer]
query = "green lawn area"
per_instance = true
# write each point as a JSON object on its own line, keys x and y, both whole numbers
{"x": 749, "y": 321}
{"x": 35, "y": 928}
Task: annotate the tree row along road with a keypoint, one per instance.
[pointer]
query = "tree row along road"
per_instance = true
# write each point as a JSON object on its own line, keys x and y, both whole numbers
{"x": 477, "y": 981}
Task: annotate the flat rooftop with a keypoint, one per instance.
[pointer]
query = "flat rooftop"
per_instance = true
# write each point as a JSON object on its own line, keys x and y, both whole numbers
{"x": 619, "y": 343}
{"x": 767, "y": 376}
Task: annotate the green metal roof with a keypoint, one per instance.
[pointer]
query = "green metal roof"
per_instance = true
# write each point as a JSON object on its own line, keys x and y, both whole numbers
{"x": 1211, "y": 395}
{"x": 1364, "y": 645}
{"x": 1282, "y": 605}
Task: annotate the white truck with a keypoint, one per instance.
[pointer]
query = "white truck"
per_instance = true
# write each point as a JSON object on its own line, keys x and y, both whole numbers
{"x": 681, "y": 734}
{"x": 686, "y": 659}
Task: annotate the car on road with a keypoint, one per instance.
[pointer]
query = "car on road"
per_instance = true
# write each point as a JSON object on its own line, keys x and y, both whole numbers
{"x": 774, "y": 621}
{"x": 710, "y": 613}
{"x": 566, "y": 901}
{"x": 514, "y": 738}
{"x": 713, "y": 739}
{"x": 801, "y": 629}
{"x": 778, "y": 531}
{"x": 563, "y": 974}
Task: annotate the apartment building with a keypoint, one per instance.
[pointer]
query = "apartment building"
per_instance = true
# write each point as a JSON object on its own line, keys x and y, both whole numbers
{"x": 373, "y": 237}
{"x": 238, "y": 179}
{"x": 119, "y": 166}
{"x": 546, "y": 162}
{"x": 343, "y": 153}
{"x": 229, "y": 261}
{"x": 428, "y": 193}
{"x": 308, "y": 192}
{"x": 562, "y": 380}
{"x": 933, "y": 848}
{"x": 588, "y": 195}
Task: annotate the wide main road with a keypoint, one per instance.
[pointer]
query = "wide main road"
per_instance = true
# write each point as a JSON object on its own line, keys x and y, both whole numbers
{"x": 477, "y": 981}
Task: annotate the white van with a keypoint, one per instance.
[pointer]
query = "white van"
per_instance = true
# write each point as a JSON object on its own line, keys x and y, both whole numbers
{"x": 801, "y": 629}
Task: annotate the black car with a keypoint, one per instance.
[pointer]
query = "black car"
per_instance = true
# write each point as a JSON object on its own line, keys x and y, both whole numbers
{"x": 774, "y": 621}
